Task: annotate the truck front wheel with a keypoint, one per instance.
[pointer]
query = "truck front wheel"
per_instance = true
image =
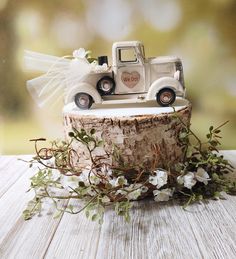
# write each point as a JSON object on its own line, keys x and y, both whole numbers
{"x": 83, "y": 101}
{"x": 165, "y": 97}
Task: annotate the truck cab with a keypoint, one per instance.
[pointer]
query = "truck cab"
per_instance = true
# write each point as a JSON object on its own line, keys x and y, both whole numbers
{"x": 131, "y": 78}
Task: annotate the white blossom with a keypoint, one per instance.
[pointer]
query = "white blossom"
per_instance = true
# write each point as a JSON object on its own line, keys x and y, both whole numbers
{"x": 51, "y": 162}
{"x": 159, "y": 179}
{"x": 91, "y": 191}
{"x": 133, "y": 195}
{"x": 98, "y": 68}
{"x": 106, "y": 170}
{"x": 105, "y": 199}
{"x": 131, "y": 192}
{"x": 187, "y": 180}
{"x": 95, "y": 179}
{"x": 113, "y": 182}
{"x": 80, "y": 53}
{"x": 83, "y": 177}
{"x": 202, "y": 176}
{"x": 144, "y": 189}
{"x": 121, "y": 192}
{"x": 163, "y": 195}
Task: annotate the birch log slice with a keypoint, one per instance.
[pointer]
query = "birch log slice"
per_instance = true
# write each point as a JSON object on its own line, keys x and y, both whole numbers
{"x": 143, "y": 134}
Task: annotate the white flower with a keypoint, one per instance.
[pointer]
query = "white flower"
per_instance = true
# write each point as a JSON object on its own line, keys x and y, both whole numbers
{"x": 95, "y": 180}
{"x": 91, "y": 191}
{"x": 112, "y": 182}
{"x": 187, "y": 180}
{"x": 144, "y": 189}
{"x": 121, "y": 192}
{"x": 163, "y": 195}
{"x": 80, "y": 53}
{"x": 202, "y": 176}
{"x": 83, "y": 177}
{"x": 134, "y": 194}
{"x": 159, "y": 179}
{"x": 106, "y": 170}
{"x": 180, "y": 179}
{"x": 105, "y": 199}
{"x": 131, "y": 192}
{"x": 51, "y": 162}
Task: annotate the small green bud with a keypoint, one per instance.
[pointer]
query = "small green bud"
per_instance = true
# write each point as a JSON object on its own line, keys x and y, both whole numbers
{"x": 92, "y": 131}
{"x": 71, "y": 134}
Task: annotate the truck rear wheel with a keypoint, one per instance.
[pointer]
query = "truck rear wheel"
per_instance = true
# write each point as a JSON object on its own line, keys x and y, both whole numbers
{"x": 83, "y": 101}
{"x": 165, "y": 97}
{"x": 106, "y": 85}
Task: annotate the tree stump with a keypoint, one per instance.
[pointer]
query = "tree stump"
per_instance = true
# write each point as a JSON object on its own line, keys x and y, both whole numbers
{"x": 143, "y": 134}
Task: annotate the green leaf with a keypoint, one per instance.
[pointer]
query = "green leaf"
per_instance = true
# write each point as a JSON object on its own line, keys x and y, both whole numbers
{"x": 127, "y": 217}
{"x": 57, "y": 214}
{"x": 87, "y": 213}
{"x": 95, "y": 217}
{"x": 100, "y": 143}
{"x": 214, "y": 143}
{"x": 27, "y": 215}
{"x": 71, "y": 134}
{"x": 92, "y": 131}
{"x": 189, "y": 153}
{"x": 81, "y": 184}
{"x": 70, "y": 207}
{"x": 183, "y": 135}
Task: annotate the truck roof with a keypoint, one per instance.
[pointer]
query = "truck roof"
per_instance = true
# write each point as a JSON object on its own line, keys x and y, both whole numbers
{"x": 163, "y": 59}
{"x": 126, "y": 43}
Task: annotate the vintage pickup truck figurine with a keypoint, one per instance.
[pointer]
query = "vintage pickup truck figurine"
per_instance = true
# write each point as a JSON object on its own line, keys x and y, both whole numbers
{"x": 131, "y": 78}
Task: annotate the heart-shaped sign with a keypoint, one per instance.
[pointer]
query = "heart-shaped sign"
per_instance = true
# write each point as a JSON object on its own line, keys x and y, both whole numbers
{"x": 130, "y": 79}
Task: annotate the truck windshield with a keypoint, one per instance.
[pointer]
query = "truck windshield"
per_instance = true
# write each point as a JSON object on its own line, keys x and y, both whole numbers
{"x": 127, "y": 55}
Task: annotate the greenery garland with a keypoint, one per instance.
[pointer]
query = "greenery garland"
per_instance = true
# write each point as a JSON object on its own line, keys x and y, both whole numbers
{"x": 199, "y": 176}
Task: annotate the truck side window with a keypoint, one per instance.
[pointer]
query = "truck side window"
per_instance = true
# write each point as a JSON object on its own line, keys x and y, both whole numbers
{"x": 127, "y": 55}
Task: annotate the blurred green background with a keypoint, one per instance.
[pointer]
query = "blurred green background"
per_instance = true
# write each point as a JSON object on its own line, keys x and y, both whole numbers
{"x": 201, "y": 32}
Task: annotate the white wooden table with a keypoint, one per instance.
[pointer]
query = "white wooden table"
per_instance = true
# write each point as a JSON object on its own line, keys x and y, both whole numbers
{"x": 156, "y": 230}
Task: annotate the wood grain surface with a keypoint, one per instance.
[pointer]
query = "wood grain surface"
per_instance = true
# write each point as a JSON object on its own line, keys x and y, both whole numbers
{"x": 156, "y": 230}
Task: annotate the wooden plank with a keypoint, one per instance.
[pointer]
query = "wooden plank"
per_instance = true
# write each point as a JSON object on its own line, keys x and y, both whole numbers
{"x": 231, "y": 156}
{"x": 19, "y": 238}
{"x": 214, "y": 230}
{"x": 10, "y": 171}
{"x": 155, "y": 231}
{"x": 76, "y": 237}
{"x": 4, "y": 161}
{"x": 164, "y": 231}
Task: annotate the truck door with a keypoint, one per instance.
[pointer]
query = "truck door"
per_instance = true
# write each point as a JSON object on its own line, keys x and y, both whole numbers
{"x": 130, "y": 72}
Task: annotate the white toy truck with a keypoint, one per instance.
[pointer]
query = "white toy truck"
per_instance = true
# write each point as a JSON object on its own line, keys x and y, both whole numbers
{"x": 131, "y": 78}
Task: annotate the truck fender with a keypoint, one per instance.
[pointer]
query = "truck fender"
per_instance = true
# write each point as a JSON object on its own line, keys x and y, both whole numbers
{"x": 163, "y": 82}
{"x": 83, "y": 88}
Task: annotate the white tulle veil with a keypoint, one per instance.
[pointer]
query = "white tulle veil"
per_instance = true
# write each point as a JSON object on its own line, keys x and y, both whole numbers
{"x": 60, "y": 73}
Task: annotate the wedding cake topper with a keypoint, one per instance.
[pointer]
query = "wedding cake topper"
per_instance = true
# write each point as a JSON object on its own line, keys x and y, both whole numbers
{"x": 113, "y": 156}
{"x": 83, "y": 80}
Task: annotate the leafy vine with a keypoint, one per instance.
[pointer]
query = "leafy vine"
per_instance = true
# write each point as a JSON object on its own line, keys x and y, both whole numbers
{"x": 61, "y": 180}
